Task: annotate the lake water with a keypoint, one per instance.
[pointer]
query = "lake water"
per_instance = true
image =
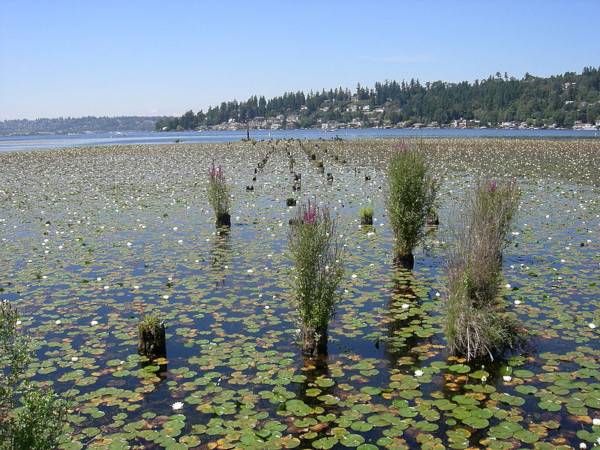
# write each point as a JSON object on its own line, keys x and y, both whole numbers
{"x": 12, "y": 143}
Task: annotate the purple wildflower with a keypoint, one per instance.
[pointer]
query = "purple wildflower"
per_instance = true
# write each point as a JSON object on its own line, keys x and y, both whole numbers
{"x": 216, "y": 174}
{"x": 492, "y": 186}
{"x": 400, "y": 145}
{"x": 310, "y": 214}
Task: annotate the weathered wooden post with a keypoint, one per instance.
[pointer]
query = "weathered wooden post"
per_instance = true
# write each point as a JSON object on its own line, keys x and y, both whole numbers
{"x": 152, "y": 341}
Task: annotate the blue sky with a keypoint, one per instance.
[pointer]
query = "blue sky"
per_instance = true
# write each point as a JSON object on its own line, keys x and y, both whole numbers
{"x": 109, "y": 58}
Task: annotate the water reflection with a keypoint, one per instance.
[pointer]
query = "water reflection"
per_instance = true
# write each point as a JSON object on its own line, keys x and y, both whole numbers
{"x": 317, "y": 391}
{"x": 404, "y": 314}
{"x": 159, "y": 370}
{"x": 220, "y": 256}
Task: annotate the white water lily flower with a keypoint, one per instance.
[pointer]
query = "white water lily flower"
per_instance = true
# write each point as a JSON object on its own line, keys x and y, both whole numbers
{"x": 94, "y": 322}
{"x": 177, "y": 405}
{"x": 418, "y": 373}
{"x": 57, "y": 322}
{"x": 354, "y": 275}
{"x": 508, "y": 286}
{"x": 483, "y": 379}
{"x": 405, "y": 306}
{"x": 596, "y": 422}
{"x": 165, "y": 296}
{"x": 592, "y": 325}
{"x": 517, "y": 302}
{"x": 74, "y": 358}
{"x": 507, "y": 378}
{"x": 582, "y": 445}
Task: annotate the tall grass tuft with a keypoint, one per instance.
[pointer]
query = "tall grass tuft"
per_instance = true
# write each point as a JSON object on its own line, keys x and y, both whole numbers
{"x": 476, "y": 324}
{"x": 410, "y": 200}
{"x": 218, "y": 195}
{"x": 318, "y": 269}
{"x": 366, "y": 215}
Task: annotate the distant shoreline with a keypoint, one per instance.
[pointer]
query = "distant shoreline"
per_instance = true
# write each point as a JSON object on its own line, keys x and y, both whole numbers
{"x": 33, "y": 142}
{"x": 266, "y": 130}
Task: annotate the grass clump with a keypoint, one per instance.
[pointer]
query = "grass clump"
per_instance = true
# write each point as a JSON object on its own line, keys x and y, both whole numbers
{"x": 30, "y": 417}
{"x": 366, "y": 215}
{"x": 410, "y": 200}
{"x": 476, "y": 324}
{"x": 317, "y": 257}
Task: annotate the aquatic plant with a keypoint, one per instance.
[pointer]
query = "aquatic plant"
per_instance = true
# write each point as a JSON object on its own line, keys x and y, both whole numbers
{"x": 218, "y": 194}
{"x": 317, "y": 257}
{"x": 410, "y": 198}
{"x": 476, "y": 325}
{"x": 366, "y": 215}
{"x": 30, "y": 417}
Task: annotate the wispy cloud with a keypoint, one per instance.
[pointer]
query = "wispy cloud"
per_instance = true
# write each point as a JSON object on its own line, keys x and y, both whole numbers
{"x": 398, "y": 59}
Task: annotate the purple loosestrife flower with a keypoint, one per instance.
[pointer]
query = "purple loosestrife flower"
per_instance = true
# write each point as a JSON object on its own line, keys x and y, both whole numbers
{"x": 310, "y": 214}
{"x": 492, "y": 186}
{"x": 216, "y": 174}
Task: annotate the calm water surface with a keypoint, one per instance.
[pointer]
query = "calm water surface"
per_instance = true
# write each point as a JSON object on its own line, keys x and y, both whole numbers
{"x": 12, "y": 143}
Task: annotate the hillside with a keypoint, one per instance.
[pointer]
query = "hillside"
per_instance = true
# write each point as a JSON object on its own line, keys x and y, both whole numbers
{"x": 558, "y": 101}
{"x": 77, "y": 125}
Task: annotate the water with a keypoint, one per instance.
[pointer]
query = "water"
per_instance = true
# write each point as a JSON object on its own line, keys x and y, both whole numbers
{"x": 12, "y": 143}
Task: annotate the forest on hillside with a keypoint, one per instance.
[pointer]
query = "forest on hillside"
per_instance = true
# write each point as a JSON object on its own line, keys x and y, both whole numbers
{"x": 89, "y": 124}
{"x": 560, "y": 100}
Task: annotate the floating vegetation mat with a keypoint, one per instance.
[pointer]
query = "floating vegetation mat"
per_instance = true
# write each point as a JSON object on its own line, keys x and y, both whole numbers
{"x": 94, "y": 238}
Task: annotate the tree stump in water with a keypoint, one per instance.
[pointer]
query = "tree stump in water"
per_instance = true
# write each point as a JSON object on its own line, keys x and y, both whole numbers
{"x": 366, "y": 220}
{"x": 314, "y": 342}
{"x": 152, "y": 341}
{"x": 223, "y": 220}
{"x": 404, "y": 261}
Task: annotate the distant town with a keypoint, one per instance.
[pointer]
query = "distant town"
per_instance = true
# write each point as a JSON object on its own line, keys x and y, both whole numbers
{"x": 282, "y": 122}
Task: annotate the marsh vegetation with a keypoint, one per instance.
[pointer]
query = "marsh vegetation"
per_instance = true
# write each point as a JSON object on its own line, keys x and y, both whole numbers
{"x": 90, "y": 234}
